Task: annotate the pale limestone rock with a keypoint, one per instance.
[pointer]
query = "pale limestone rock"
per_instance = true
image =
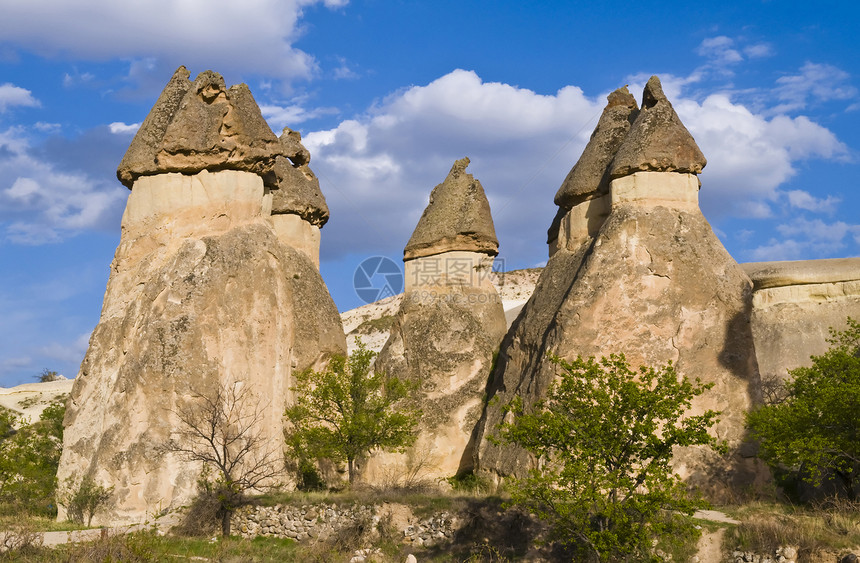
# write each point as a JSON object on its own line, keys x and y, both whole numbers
{"x": 794, "y": 305}
{"x": 655, "y": 284}
{"x": 200, "y": 292}
{"x": 294, "y": 231}
{"x": 446, "y": 332}
{"x": 580, "y": 223}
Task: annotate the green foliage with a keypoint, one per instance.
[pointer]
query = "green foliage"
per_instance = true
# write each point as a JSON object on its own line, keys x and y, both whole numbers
{"x": 816, "y": 428}
{"x": 29, "y": 457}
{"x": 82, "y": 502}
{"x": 345, "y": 411}
{"x": 603, "y": 438}
{"x": 470, "y": 483}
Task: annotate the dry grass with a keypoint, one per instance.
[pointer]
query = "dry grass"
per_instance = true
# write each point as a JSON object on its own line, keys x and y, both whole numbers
{"x": 830, "y": 525}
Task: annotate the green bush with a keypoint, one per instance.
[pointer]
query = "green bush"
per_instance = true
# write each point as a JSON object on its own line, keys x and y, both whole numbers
{"x": 82, "y": 502}
{"x": 346, "y": 411}
{"x": 815, "y": 430}
{"x": 603, "y": 439}
{"x": 29, "y": 457}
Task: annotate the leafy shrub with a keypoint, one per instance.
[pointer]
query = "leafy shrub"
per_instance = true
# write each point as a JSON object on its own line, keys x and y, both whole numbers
{"x": 603, "y": 439}
{"x": 815, "y": 429}
{"x": 82, "y": 502}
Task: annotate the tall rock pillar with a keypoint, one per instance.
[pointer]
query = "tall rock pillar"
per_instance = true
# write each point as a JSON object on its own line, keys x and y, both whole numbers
{"x": 448, "y": 328}
{"x": 202, "y": 293}
{"x": 652, "y": 282}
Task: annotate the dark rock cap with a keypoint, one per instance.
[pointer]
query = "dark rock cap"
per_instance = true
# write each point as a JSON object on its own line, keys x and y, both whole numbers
{"x": 589, "y": 175}
{"x": 457, "y": 218}
{"x": 201, "y": 126}
{"x": 298, "y": 187}
{"x": 657, "y": 141}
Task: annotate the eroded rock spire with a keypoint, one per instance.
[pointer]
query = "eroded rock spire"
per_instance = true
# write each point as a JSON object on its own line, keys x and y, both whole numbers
{"x": 657, "y": 141}
{"x": 202, "y": 125}
{"x": 457, "y": 218}
{"x": 589, "y": 175}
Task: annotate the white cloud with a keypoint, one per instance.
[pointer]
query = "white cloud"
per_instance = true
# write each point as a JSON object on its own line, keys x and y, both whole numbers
{"x": 11, "y": 96}
{"x": 279, "y": 117}
{"x": 814, "y": 83}
{"x": 198, "y": 33}
{"x": 750, "y": 156}
{"x": 758, "y": 51}
{"x": 803, "y": 238}
{"x": 720, "y": 50}
{"x": 378, "y": 170}
{"x": 804, "y": 200}
{"x": 40, "y": 203}
{"x": 120, "y": 128}
{"x": 45, "y": 127}
{"x": 343, "y": 72}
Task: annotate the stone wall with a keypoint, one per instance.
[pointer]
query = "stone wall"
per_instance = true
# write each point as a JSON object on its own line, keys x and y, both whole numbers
{"x": 322, "y": 521}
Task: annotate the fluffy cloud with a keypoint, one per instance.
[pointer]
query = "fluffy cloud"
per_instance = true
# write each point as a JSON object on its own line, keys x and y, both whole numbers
{"x": 40, "y": 203}
{"x": 378, "y": 169}
{"x": 803, "y": 238}
{"x": 804, "y": 200}
{"x": 120, "y": 128}
{"x": 720, "y": 50}
{"x": 11, "y": 96}
{"x": 201, "y": 33}
{"x": 814, "y": 83}
{"x": 749, "y": 155}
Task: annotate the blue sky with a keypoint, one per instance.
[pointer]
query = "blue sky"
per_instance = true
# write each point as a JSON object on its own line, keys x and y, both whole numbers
{"x": 387, "y": 94}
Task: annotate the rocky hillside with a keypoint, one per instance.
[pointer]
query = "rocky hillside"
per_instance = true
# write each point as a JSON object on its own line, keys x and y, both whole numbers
{"x": 30, "y": 399}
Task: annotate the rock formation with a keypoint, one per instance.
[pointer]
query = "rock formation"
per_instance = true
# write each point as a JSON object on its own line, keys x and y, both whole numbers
{"x": 583, "y": 198}
{"x": 447, "y": 329}
{"x": 202, "y": 292}
{"x": 299, "y": 209}
{"x": 794, "y": 305}
{"x": 651, "y": 280}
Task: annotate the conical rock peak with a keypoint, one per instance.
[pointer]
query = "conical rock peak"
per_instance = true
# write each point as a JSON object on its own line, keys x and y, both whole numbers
{"x": 202, "y": 125}
{"x": 657, "y": 141}
{"x": 589, "y": 175}
{"x": 457, "y": 218}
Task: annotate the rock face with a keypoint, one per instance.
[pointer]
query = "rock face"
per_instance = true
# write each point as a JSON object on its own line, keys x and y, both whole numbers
{"x": 299, "y": 209}
{"x": 794, "y": 305}
{"x": 583, "y": 196}
{"x": 201, "y": 125}
{"x": 458, "y": 218}
{"x": 658, "y": 141}
{"x": 202, "y": 293}
{"x": 447, "y": 329}
{"x": 651, "y": 281}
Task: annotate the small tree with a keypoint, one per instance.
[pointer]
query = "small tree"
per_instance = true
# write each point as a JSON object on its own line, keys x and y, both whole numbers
{"x": 29, "y": 457}
{"x": 346, "y": 411}
{"x": 85, "y": 500}
{"x": 815, "y": 429}
{"x": 603, "y": 438}
{"x": 223, "y": 429}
